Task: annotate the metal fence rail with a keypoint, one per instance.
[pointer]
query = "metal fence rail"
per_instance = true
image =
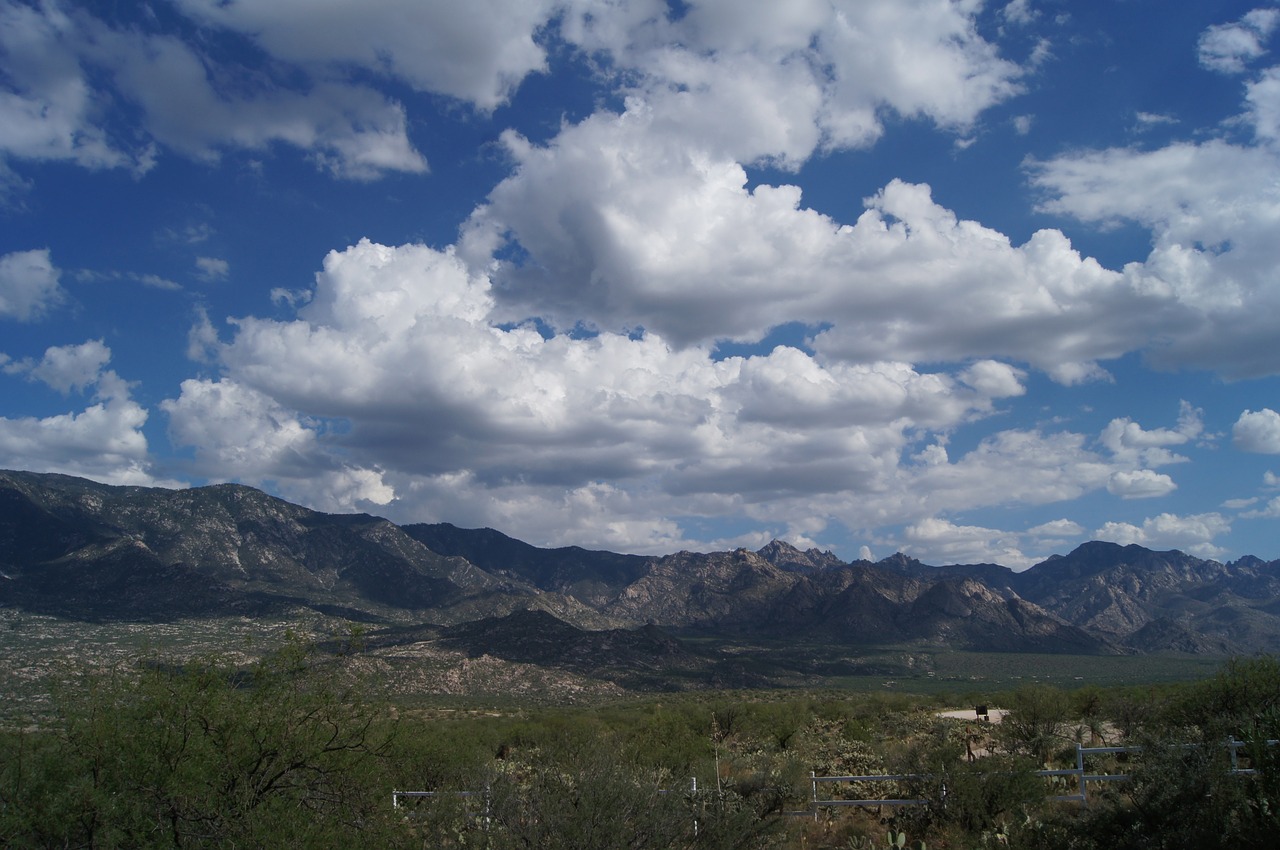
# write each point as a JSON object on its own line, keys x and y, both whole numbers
{"x": 816, "y": 803}
{"x": 899, "y": 777}
{"x": 397, "y": 796}
{"x": 1082, "y": 778}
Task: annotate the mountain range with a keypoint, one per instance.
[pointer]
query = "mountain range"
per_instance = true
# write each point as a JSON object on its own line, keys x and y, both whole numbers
{"x": 80, "y": 550}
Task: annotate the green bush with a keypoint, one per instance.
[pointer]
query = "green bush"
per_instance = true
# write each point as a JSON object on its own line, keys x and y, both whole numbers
{"x": 1183, "y": 791}
{"x": 1241, "y": 692}
{"x": 579, "y": 794}
{"x": 199, "y": 757}
{"x": 1034, "y": 725}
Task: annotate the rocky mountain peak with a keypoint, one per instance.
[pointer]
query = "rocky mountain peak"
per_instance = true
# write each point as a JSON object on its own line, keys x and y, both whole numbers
{"x": 903, "y": 563}
{"x": 784, "y": 556}
{"x": 78, "y": 549}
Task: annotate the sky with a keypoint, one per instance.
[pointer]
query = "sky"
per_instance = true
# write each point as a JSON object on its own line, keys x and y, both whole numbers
{"x": 977, "y": 282}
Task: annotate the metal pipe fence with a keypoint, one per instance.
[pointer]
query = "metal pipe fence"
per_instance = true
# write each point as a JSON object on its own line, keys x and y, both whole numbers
{"x": 1081, "y": 796}
{"x": 1083, "y": 778}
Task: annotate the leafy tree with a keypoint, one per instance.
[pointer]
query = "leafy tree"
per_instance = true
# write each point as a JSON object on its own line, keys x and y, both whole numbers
{"x": 1033, "y": 726}
{"x": 1238, "y": 695}
{"x": 577, "y": 793}
{"x": 964, "y": 798}
{"x": 202, "y": 756}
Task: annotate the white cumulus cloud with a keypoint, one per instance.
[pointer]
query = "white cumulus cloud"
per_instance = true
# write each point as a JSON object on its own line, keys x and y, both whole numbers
{"x": 393, "y": 387}
{"x": 1213, "y": 209}
{"x": 243, "y": 435}
{"x": 1129, "y": 442}
{"x": 944, "y": 542}
{"x": 1257, "y": 431}
{"x": 624, "y": 228}
{"x": 1269, "y": 511}
{"x": 478, "y": 51}
{"x": 104, "y": 441}
{"x": 29, "y": 285}
{"x": 994, "y": 379}
{"x": 760, "y": 80}
{"x": 48, "y": 109}
{"x": 66, "y": 367}
{"x": 212, "y": 268}
{"x": 1229, "y": 47}
{"x": 1057, "y": 528}
{"x": 1140, "y": 484}
{"x": 1191, "y": 534}
{"x": 61, "y": 64}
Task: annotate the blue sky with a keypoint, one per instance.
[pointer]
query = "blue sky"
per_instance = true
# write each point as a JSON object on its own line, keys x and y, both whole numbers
{"x": 977, "y": 282}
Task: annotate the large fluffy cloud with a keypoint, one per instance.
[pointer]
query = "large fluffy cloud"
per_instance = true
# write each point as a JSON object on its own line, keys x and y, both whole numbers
{"x": 644, "y": 218}
{"x": 47, "y": 108}
{"x": 394, "y": 387}
{"x": 1213, "y": 208}
{"x": 555, "y": 374}
{"x": 765, "y": 80}
{"x": 624, "y": 228}
{"x": 398, "y": 341}
{"x": 61, "y": 66}
{"x": 350, "y": 129}
{"x": 240, "y": 434}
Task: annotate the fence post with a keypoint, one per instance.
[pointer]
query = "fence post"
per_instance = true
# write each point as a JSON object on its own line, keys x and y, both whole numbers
{"x": 1084, "y": 799}
{"x": 813, "y": 781}
{"x": 693, "y": 799}
{"x": 1232, "y": 744}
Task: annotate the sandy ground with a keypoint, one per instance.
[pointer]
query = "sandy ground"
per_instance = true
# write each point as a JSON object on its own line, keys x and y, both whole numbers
{"x": 978, "y": 744}
{"x": 995, "y": 715}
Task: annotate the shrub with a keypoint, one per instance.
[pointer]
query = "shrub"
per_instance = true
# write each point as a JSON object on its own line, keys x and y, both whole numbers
{"x": 199, "y": 757}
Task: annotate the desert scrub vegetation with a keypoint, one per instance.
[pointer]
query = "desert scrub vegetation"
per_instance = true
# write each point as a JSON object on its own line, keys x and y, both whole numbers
{"x": 296, "y": 750}
{"x": 200, "y": 755}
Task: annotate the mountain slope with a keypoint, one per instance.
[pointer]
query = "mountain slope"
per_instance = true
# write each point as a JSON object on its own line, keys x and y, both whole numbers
{"x": 78, "y": 549}
{"x": 223, "y": 549}
{"x": 593, "y": 577}
{"x": 1136, "y": 595}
